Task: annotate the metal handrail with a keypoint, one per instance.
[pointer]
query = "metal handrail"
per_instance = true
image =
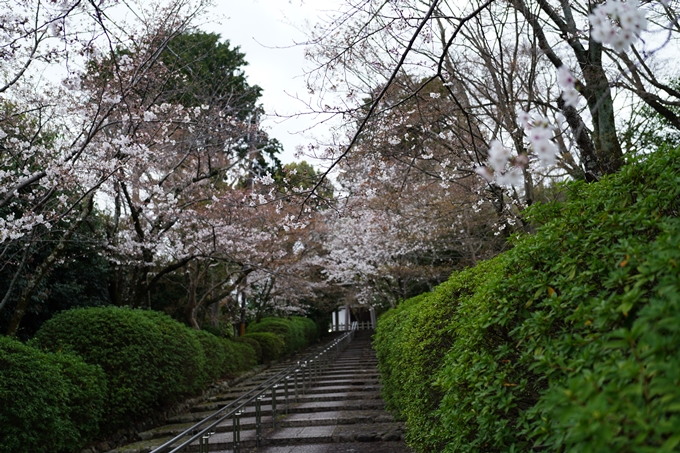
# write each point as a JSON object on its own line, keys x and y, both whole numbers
{"x": 354, "y": 325}
{"x": 310, "y": 367}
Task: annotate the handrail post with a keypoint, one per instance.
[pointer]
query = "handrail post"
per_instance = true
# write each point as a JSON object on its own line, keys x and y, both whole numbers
{"x": 309, "y": 373}
{"x": 237, "y": 432}
{"x": 296, "y": 382}
{"x": 258, "y": 420}
{"x": 204, "y": 442}
{"x": 274, "y": 405}
{"x": 285, "y": 391}
{"x": 304, "y": 377}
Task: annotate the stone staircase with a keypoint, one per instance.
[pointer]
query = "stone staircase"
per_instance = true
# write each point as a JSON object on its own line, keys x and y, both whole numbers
{"x": 340, "y": 412}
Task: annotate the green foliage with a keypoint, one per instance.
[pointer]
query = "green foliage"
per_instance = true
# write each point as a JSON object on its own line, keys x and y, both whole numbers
{"x": 567, "y": 342}
{"x": 181, "y": 356}
{"x": 78, "y": 280}
{"x": 292, "y": 332}
{"x": 252, "y": 343}
{"x": 146, "y": 367}
{"x": 271, "y": 345}
{"x": 302, "y": 175}
{"x": 216, "y": 331}
{"x": 48, "y": 402}
{"x": 223, "y": 357}
{"x": 244, "y": 356}
{"x": 308, "y": 326}
{"x": 211, "y": 73}
{"x": 412, "y": 341}
{"x": 208, "y": 71}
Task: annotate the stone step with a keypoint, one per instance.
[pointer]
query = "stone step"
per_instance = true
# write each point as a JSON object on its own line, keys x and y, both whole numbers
{"x": 341, "y": 411}
{"x": 338, "y": 394}
{"x": 356, "y": 447}
{"x": 292, "y": 420}
{"x": 375, "y": 432}
{"x": 309, "y": 406}
{"x": 219, "y": 401}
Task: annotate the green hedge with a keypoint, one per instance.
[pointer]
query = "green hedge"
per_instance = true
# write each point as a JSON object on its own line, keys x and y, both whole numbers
{"x": 411, "y": 343}
{"x": 244, "y": 357}
{"x": 271, "y": 345}
{"x": 296, "y": 332}
{"x": 48, "y": 402}
{"x": 568, "y": 342}
{"x": 149, "y": 359}
{"x": 309, "y": 328}
{"x": 181, "y": 356}
{"x": 223, "y": 357}
{"x": 252, "y": 343}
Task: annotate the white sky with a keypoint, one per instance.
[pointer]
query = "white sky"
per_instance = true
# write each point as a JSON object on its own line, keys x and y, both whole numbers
{"x": 266, "y": 31}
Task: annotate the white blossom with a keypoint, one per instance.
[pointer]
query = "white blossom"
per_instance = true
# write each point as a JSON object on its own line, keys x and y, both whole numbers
{"x": 568, "y": 84}
{"x": 618, "y": 23}
{"x": 499, "y": 156}
{"x": 539, "y": 133}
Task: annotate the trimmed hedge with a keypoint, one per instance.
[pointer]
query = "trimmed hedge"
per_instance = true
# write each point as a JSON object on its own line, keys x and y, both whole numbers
{"x": 411, "y": 344}
{"x": 224, "y": 357}
{"x": 271, "y": 345}
{"x": 309, "y": 328}
{"x": 112, "y": 365}
{"x": 244, "y": 357}
{"x": 252, "y": 343}
{"x": 182, "y": 357}
{"x": 296, "y": 332}
{"x": 568, "y": 342}
{"x": 48, "y": 402}
{"x": 131, "y": 349}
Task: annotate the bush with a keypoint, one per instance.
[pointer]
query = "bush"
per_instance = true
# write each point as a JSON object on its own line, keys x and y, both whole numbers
{"x": 271, "y": 345}
{"x": 292, "y": 332}
{"x": 309, "y": 328}
{"x": 48, "y": 402}
{"x": 145, "y": 366}
{"x": 224, "y": 357}
{"x": 252, "y": 343}
{"x": 412, "y": 341}
{"x": 218, "y": 331}
{"x": 567, "y": 342}
{"x": 182, "y": 357}
{"x": 244, "y": 356}
{"x": 215, "y": 352}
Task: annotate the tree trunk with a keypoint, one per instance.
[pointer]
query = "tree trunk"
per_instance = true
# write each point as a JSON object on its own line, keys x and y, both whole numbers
{"x": 43, "y": 270}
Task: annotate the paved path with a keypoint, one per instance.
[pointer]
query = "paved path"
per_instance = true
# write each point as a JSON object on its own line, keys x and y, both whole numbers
{"x": 340, "y": 413}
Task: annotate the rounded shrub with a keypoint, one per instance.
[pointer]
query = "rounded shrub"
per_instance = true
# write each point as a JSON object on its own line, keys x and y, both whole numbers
{"x": 244, "y": 356}
{"x": 225, "y": 358}
{"x": 293, "y": 333}
{"x": 271, "y": 345}
{"x": 309, "y": 328}
{"x": 182, "y": 357}
{"x": 48, "y": 402}
{"x": 254, "y": 344}
{"x": 144, "y": 365}
{"x": 215, "y": 352}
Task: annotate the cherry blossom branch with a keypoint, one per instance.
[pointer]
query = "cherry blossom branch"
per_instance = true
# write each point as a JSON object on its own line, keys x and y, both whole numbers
{"x": 376, "y": 101}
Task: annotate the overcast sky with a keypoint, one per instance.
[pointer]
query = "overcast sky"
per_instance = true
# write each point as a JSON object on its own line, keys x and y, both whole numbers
{"x": 266, "y": 31}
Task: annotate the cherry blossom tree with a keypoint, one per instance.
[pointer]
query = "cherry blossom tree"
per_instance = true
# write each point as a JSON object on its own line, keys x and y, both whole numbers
{"x": 499, "y": 59}
{"x": 518, "y": 94}
{"x": 118, "y": 136}
{"x": 57, "y": 159}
